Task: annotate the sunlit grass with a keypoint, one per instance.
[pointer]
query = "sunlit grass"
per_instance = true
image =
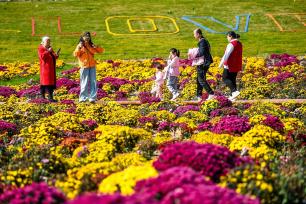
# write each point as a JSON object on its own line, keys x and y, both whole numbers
{"x": 263, "y": 38}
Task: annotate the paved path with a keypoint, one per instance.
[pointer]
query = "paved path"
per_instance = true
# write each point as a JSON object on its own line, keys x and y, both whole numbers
{"x": 238, "y": 101}
{"x": 195, "y": 102}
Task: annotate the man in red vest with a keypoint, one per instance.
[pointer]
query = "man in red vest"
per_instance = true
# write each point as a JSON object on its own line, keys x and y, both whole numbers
{"x": 232, "y": 63}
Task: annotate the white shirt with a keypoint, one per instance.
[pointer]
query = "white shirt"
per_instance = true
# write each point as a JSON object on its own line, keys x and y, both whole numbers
{"x": 228, "y": 51}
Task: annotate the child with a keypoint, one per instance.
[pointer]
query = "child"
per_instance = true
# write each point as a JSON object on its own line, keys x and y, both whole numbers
{"x": 172, "y": 72}
{"x": 159, "y": 82}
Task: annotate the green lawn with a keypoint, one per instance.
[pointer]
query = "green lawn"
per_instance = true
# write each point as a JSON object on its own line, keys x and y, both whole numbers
{"x": 263, "y": 37}
{"x": 21, "y": 80}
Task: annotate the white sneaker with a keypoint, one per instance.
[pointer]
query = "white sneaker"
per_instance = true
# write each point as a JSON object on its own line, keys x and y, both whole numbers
{"x": 234, "y": 95}
{"x": 232, "y": 100}
{"x": 175, "y": 96}
{"x": 210, "y": 96}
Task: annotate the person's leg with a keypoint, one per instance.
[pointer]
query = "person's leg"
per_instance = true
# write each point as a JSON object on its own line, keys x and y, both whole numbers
{"x": 227, "y": 79}
{"x": 175, "y": 84}
{"x": 154, "y": 89}
{"x": 50, "y": 91}
{"x": 43, "y": 91}
{"x": 202, "y": 70}
{"x": 159, "y": 92}
{"x": 93, "y": 84}
{"x": 83, "y": 84}
{"x": 233, "y": 79}
{"x": 172, "y": 84}
{"x": 174, "y": 87}
{"x": 235, "y": 92}
{"x": 199, "y": 86}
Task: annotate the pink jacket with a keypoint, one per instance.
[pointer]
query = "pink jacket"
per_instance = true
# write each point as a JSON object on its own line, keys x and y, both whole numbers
{"x": 192, "y": 53}
{"x": 172, "y": 68}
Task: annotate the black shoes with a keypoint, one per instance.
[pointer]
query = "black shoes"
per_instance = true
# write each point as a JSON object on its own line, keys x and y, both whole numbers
{"x": 52, "y": 100}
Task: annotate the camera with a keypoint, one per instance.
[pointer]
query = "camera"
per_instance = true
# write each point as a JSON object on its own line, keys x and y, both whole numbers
{"x": 82, "y": 42}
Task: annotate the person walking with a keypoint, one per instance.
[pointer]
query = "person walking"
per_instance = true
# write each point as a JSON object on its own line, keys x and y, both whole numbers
{"x": 85, "y": 52}
{"x": 47, "y": 61}
{"x": 232, "y": 63}
{"x": 204, "y": 51}
{"x": 172, "y": 72}
{"x": 157, "y": 89}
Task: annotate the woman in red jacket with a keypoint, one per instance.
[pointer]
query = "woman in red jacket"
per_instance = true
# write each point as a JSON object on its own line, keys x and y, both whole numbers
{"x": 232, "y": 63}
{"x": 47, "y": 59}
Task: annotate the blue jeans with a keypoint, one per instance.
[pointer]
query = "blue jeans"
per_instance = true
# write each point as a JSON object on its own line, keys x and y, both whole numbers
{"x": 172, "y": 84}
{"x": 88, "y": 77}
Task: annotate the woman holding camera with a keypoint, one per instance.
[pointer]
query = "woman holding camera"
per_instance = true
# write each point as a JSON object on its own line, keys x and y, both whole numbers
{"x": 85, "y": 51}
{"x": 47, "y": 60}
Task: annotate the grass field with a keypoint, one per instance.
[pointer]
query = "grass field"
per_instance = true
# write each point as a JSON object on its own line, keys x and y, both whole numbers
{"x": 263, "y": 36}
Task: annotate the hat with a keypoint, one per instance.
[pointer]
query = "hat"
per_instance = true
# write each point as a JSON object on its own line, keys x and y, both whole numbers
{"x": 44, "y": 39}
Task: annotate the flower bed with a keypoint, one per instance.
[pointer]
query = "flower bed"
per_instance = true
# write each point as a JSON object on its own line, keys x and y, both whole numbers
{"x": 158, "y": 151}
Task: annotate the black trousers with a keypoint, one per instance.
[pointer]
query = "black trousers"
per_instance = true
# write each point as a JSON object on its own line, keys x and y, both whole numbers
{"x": 49, "y": 88}
{"x": 229, "y": 78}
{"x": 201, "y": 80}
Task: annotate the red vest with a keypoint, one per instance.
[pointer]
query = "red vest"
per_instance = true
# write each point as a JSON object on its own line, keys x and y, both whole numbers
{"x": 234, "y": 61}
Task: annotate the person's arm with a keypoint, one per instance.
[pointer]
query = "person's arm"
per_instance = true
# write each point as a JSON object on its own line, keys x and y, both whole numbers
{"x": 55, "y": 55}
{"x": 201, "y": 49}
{"x": 94, "y": 49}
{"x": 227, "y": 53}
{"x": 50, "y": 49}
{"x": 43, "y": 53}
{"x": 204, "y": 49}
{"x": 172, "y": 62}
{"x": 78, "y": 51}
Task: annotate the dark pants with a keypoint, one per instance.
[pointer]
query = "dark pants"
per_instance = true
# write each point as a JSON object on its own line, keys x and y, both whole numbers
{"x": 229, "y": 78}
{"x": 201, "y": 80}
{"x": 49, "y": 88}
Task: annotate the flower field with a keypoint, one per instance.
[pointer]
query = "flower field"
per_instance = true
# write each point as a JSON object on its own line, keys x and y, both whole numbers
{"x": 160, "y": 151}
